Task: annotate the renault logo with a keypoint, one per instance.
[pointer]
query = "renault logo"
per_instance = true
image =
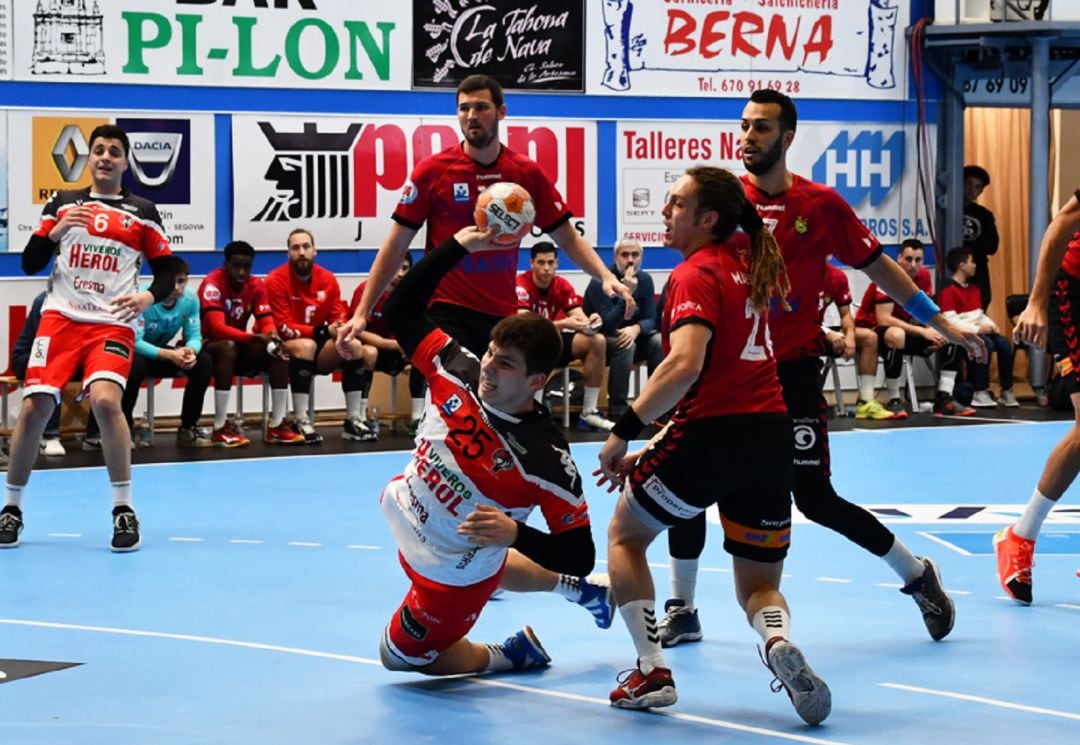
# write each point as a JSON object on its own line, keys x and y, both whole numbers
{"x": 71, "y": 136}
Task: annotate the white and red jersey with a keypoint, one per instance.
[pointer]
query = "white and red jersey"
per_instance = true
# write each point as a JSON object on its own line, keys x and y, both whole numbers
{"x": 553, "y": 302}
{"x": 375, "y": 322}
{"x": 97, "y": 264}
{"x": 216, "y": 294}
{"x": 836, "y": 290}
{"x": 442, "y": 192}
{"x": 468, "y": 454}
{"x": 712, "y": 288}
{"x": 963, "y": 304}
{"x": 866, "y": 316}
{"x": 298, "y": 307}
{"x": 809, "y": 221}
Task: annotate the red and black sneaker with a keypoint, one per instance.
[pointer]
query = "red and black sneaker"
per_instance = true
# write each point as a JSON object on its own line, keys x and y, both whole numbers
{"x": 946, "y": 405}
{"x": 640, "y": 691}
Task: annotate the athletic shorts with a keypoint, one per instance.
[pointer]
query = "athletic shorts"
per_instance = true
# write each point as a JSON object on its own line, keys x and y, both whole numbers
{"x": 567, "y": 354}
{"x": 63, "y": 346}
{"x": 1063, "y": 340}
{"x": 470, "y": 328}
{"x": 913, "y": 344}
{"x": 800, "y": 380}
{"x": 741, "y": 463}
{"x": 434, "y": 616}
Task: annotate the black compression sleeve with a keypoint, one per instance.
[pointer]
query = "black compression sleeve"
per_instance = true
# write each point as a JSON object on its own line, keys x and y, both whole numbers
{"x": 570, "y": 552}
{"x": 39, "y": 250}
{"x": 405, "y": 311}
{"x": 164, "y": 278}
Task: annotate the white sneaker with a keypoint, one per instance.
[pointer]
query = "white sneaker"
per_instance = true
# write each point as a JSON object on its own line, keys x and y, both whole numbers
{"x": 52, "y": 446}
{"x": 594, "y": 420}
{"x": 982, "y": 399}
{"x": 1008, "y": 398}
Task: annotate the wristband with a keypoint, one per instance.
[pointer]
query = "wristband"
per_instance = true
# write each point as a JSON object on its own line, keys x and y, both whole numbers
{"x": 629, "y": 425}
{"x": 921, "y": 307}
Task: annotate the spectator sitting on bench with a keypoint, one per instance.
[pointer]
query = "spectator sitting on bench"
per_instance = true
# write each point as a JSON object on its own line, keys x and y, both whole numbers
{"x": 540, "y": 290}
{"x": 20, "y": 358}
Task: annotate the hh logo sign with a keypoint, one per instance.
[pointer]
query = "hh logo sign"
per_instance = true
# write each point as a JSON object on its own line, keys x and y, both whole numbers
{"x": 866, "y": 165}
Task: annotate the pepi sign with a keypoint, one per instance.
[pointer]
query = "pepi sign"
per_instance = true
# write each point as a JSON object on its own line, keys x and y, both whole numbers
{"x": 343, "y": 176}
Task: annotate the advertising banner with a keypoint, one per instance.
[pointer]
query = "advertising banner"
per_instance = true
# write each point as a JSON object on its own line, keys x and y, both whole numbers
{"x": 5, "y": 40}
{"x": 50, "y": 151}
{"x": 284, "y": 44}
{"x": 343, "y": 176}
{"x": 729, "y": 48}
{"x": 524, "y": 44}
{"x": 872, "y": 166}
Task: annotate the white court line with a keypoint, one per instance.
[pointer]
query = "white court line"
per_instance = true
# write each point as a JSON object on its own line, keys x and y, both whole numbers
{"x": 245, "y": 541}
{"x": 981, "y": 700}
{"x": 65, "y": 535}
{"x": 951, "y": 546}
{"x": 720, "y": 723}
{"x": 182, "y": 539}
{"x": 836, "y": 580}
{"x": 1070, "y": 606}
{"x": 365, "y": 548}
{"x": 305, "y": 544}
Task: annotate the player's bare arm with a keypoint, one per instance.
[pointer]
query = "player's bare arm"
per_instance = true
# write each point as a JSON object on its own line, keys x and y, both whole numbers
{"x": 1031, "y": 325}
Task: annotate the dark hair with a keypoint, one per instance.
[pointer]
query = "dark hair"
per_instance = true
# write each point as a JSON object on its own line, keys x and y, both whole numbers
{"x": 111, "y": 132}
{"x": 912, "y": 243}
{"x": 789, "y": 116}
{"x": 239, "y": 248}
{"x": 722, "y": 192}
{"x": 956, "y": 257}
{"x": 179, "y": 266}
{"x": 543, "y": 247}
{"x": 537, "y": 338}
{"x": 479, "y": 82}
{"x": 978, "y": 172}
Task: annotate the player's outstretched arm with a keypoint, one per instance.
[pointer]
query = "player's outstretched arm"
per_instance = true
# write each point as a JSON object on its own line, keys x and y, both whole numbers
{"x": 1031, "y": 325}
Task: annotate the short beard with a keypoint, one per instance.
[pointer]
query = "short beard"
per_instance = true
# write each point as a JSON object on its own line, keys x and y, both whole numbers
{"x": 481, "y": 141}
{"x": 767, "y": 160}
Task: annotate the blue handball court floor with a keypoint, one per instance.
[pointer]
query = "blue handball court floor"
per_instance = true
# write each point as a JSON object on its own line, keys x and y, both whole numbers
{"x": 253, "y": 611}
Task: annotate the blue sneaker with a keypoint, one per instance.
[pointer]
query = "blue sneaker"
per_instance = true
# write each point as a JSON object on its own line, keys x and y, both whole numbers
{"x": 524, "y": 650}
{"x": 597, "y": 599}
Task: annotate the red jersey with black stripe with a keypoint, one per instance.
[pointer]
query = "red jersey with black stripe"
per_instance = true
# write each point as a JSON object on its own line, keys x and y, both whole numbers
{"x": 217, "y": 295}
{"x": 442, "y": 193}
{"x": 553, "y": 302}
{"x": 809, "y": 221}
{"x": 711, "y": 287}
{"x": 298, "y": 307}
{"x": 836, "y": 290}
{"x": 97, "y": 264}
{"x": 866, "y": 316}
{"x": 1071, "y": 263}
{"x": 468, "y": 454}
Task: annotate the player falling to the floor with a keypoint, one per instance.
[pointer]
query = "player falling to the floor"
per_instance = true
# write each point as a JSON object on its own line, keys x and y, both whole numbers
{"x": 1048, "y": 317}
{"x": 486, "y": 455}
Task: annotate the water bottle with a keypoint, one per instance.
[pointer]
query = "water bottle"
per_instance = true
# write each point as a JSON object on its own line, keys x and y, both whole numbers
{"x": 373, "y": 422}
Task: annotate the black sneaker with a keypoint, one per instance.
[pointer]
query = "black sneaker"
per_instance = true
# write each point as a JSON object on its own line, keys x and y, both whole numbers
{"x": 358, "y": 431}
{"x": 680, "y": 624}
{"x": 896, "y": 408}
{"x": 937, "y": 607}
{"x": 125, "y": 530}
{"x": 311, "y": 437}
{"x": 946, "y": 405}
{"x": 11, "y": 525}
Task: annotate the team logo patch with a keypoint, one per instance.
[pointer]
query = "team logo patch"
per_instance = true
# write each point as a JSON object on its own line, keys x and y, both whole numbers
{"x": 411, "y": 625}
{"x": 501, "y": 460}
{"x": 800, "y": 225}
{"x": 211, "y": 294}
{"x": 461, "y": 193}
{"x": 39, "y": 355}
{"x": 451, "y": 405}
{"x": 118, "y": 348}
{"x": 805, "y": 438}
{"x": 409, "y": 193}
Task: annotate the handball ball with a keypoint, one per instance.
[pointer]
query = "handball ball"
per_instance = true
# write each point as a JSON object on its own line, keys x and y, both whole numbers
{"x": 509, "y": 209}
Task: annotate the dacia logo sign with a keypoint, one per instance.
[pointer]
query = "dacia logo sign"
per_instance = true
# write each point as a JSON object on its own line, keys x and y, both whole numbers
{"x": 868, "y": 165}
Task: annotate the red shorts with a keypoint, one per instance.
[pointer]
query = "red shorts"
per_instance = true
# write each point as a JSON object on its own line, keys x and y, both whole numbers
{"x": 433, "y": 616}
{"x": 63, "y": 346}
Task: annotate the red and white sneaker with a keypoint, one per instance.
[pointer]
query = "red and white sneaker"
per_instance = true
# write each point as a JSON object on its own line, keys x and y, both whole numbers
{"x": 229, "y": 437}
{"x": 286, "y": 433}
{"x": 640, "y": 691}
{"x": 1015, "y": 558}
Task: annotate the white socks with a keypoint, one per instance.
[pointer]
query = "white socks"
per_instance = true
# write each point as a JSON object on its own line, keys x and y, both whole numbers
{"x": 866, "y": 388}
{"x": 772, "y": 621}
{"x": 221, "y": 407}
{"x": 947, "y": 381}
{"x": 121, "y": 493}
{"x": 591, "y": 399}
{"x": 684, "y": 580}
{"x": 903, "y": 562}
{"x": 640, "y": 619}
{"x": 1038, "y": 507}
{"x": 279, "y": 405}
{"x": 13, "y": 495}
{"x": 300, "y": 403}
